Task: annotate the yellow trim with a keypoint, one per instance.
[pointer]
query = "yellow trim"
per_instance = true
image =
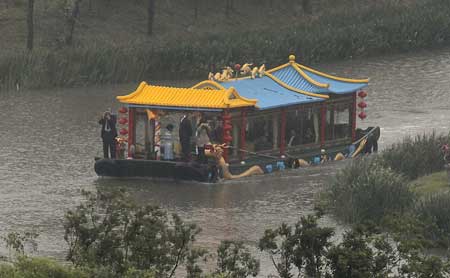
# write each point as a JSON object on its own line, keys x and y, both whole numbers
{"x": 208, "y": 84}
{"x": 281, "y": 83}
{"x": 334, "y": 77}
{"x": 233, "y": 91}
{"x": 133, "y": 94}
{"x": 277, "y": 68}
{"x": 309, "y": 79}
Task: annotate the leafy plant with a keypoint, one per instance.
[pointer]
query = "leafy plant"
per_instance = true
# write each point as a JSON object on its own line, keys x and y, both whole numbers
{"x": 234, "y": 260}
{"x": 109, "y": 230}
{"x": 303, "y": 247}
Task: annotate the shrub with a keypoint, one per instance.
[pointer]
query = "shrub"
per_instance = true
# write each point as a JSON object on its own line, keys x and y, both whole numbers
{"x": 434, "y": 211}
{"x": 27, "y": 267}
{"x": 366, "y": 191}
{"x": 416, "y": 157}
{"x": 235, "y": 260}
{"x": 110, "y": 231}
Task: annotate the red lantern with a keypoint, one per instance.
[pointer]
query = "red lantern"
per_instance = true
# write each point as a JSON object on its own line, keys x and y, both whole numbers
{"x": 237, "y": 67}
{"x": 362, "y": 94}
{"x": 362, "y": 115}
{"x": 123, "y": 110}
{"x": 123, "y": 131}
{"x": 362, "y": 105}
{"x": 123, "y": 121}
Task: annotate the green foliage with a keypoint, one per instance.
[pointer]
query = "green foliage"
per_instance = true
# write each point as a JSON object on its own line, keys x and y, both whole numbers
{"x": 302, "y": 247}
{"x": 109, "y": 230}
{"x": 336, "y": 33}
{"x": 356, "y": 258}
{"x": 434, "y": 211}
{"x": 367, "y": 191}
{"x": 26, "y": 267}
{"x": 416, "y": 157}
{"x": 17, "y": 242}
{"x": 234, "y": 260}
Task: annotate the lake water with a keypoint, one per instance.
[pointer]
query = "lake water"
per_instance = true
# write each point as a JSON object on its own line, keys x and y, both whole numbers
{"x": 49, "y": 139}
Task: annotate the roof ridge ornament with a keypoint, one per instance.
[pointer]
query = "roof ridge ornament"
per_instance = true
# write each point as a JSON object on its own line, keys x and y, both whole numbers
{"x": 292, "y": 58}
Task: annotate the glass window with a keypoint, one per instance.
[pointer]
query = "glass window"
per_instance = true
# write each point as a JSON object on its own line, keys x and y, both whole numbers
{"x": 338, "y": 121}
{"x": 302, "y": 126}
{"x": 342, "y": 124}
{"x": 259, "y": 133}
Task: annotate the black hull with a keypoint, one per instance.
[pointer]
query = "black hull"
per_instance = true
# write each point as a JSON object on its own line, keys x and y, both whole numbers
{"x": 156, "y": 169}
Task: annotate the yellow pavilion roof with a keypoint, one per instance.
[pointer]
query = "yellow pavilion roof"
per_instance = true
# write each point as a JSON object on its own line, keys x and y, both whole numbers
{"x": 164, "y": 97}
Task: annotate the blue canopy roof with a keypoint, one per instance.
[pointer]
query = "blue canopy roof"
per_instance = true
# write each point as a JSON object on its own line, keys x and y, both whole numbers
{"x": 268, "y": 93}
{"x": 287, "y": 85}
{"x": 336, "y": 86}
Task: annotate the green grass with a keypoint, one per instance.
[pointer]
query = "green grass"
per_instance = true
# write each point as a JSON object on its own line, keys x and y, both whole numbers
{"x": 432, "y": 184}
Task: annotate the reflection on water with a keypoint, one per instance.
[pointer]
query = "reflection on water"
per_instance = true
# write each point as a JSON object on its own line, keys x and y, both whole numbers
{"x": 49, "y": 139}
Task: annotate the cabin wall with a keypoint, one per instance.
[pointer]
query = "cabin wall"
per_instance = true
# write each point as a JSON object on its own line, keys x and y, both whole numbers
{"x": 306, "y": 126}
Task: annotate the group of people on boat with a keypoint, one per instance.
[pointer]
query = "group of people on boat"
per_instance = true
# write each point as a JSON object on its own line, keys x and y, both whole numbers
{"x": 205, "y": 132}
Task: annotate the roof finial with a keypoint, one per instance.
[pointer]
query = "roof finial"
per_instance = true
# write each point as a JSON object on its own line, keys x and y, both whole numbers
{"x": 291, "y": 58}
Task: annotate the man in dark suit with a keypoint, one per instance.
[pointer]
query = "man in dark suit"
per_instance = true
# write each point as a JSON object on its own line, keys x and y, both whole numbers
{"x": 185, "y": 133}
{"x": 109, "y": 134}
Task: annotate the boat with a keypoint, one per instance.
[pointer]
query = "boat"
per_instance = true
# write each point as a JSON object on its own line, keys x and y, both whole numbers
{"x": 263, "y": 121}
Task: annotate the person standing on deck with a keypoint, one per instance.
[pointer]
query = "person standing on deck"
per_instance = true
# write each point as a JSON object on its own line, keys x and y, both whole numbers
{"x": 185, "y": 133}
{"x": 108, "y": 134}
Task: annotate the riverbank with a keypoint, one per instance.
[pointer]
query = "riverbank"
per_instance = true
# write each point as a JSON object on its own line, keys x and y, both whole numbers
{"x": 402, "y": 186}
{"x": 332, "y": 34}
{"x": 436, "y": 183}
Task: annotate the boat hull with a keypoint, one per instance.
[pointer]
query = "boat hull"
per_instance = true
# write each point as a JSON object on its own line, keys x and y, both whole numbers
{"x": 156, "y": 169}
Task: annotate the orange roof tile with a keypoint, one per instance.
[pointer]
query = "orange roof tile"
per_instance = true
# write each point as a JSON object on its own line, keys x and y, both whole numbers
{"x": 149, "y": 95}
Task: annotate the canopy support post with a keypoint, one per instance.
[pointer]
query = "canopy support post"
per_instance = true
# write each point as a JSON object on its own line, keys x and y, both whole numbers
{"x": 131, "y": 132}
{"x": 283, "y": 132}
{"x": 227, "y": 127}
{"x": 243, "y": 125}
{"x": 353, "y": 117}
{"x": 323, "y": 124}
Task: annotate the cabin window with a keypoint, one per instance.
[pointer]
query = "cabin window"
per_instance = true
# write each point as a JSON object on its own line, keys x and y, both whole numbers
{"x": 338, "y": 121}
{"x": 302, "y": 126}
{"x": 260, "y": 132}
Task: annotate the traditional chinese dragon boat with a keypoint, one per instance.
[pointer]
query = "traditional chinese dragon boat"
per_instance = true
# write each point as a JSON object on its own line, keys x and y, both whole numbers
{"x": 263, "y": 120}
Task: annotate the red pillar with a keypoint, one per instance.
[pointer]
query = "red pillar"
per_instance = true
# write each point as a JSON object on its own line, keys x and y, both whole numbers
{"x": 283, "y": 132}
{"x": 354, "y": 117}
{"x": 323, "y": 120}
{"x": 243, "y": 125}
{"x": 227, "y": 139}
{"x": 131, "y": 114}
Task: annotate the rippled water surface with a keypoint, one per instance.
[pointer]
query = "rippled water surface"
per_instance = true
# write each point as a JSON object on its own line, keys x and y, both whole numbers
{"x": 49, "y": 138}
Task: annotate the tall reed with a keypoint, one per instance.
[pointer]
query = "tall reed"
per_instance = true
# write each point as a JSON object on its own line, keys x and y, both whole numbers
{"x": 418, "y": 156}
{"x": 366, "y": 191}
{"x": 434, "y": 211}
{"x": 338, "y": 33}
